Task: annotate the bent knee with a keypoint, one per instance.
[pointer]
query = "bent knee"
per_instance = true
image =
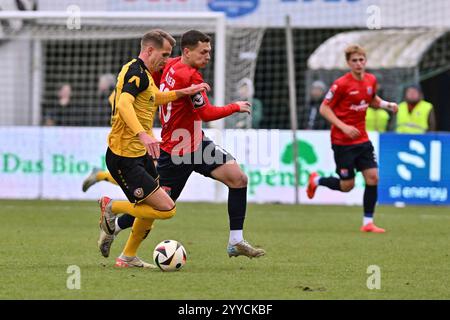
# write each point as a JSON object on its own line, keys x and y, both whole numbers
{"x": 240, "y": 181}
{"x": 165, "y": 205}
{"x": 372, "y": 180}
{"x": 167, "y": 214}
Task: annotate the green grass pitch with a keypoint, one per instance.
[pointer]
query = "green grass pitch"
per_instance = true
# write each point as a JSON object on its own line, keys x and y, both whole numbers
{"x": 313, "y": 252}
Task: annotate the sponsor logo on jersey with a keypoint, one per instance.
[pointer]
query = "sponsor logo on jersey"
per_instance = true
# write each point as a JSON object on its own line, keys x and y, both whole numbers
{"x": 353, "y": 93}
{"x": 136, "y": 80}
{"x": 362, "y": 106}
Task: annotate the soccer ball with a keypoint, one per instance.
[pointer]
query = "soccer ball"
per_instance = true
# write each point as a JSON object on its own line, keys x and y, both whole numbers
{"x": 169, "y": 255}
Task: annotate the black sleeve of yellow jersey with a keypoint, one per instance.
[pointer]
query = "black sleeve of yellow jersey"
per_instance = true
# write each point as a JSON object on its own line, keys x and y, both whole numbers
{"x": 135, "y": 81}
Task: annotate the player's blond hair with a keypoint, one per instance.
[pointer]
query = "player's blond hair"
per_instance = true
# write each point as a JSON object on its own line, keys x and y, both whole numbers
{"x": 352, "y": 49}
{"x": 156, "y": 37}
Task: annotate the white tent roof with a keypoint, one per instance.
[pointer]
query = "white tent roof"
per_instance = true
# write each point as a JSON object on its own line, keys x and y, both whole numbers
{"x": 386, "y": 49}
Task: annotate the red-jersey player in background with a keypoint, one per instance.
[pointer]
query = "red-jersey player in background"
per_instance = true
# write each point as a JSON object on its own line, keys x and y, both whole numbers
{"x": 345, "y": 108}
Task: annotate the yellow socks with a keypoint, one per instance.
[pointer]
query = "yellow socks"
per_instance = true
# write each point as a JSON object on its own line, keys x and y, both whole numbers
{"x": 105, "y": 175}
{"x": 140, "y": 230}
{"x": 141, "y": 210}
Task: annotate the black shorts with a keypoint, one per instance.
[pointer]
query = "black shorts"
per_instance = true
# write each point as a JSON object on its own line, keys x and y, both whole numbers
{"x": 174, "y": 171}
{"x": 136, "y": 176}
{"x": 358, "y": 156}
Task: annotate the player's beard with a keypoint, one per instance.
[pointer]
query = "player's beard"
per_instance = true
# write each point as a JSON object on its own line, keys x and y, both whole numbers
{"x": 203, "y": 64}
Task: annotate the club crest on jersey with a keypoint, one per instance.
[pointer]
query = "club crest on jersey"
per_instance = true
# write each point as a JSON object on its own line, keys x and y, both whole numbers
{"x": 138, "y": 193}
{"x": 369, "y": 91}
{"x": 198, "y": 100}
{"x": 344, "y": 173}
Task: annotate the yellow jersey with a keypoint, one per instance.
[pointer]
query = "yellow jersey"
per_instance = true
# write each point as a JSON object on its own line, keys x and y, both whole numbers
{"x": 136, "y": 80}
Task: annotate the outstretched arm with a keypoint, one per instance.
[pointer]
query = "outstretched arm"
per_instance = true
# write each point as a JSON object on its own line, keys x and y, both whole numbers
{"x": 209, "y": 112}
{"x": 377, "y": 102}
{"x": 169, "y": 96}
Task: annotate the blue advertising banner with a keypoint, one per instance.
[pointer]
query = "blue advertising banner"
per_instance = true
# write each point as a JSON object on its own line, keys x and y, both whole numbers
{"x": 414, "y": 169}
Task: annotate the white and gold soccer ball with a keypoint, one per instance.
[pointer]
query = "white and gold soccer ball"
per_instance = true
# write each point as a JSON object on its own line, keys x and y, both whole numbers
{"x": 169, "y": 255}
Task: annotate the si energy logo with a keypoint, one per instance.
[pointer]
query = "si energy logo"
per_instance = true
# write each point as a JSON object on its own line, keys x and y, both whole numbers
{"x": 414, "y": 169}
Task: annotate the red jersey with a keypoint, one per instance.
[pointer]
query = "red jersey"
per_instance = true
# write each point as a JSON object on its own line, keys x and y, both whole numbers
{"x": 158, "y": 74}
{"x": 349, "y": 99}
{"x": 181, "y": 120}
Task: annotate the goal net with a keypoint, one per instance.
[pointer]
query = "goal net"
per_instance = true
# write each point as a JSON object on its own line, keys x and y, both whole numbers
{"x": 44, "y": 58}
{"x": 60, "y": 67}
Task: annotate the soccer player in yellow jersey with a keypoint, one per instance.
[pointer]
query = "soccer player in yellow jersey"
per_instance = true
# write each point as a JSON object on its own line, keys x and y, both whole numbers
{"x": 132, "y": 148}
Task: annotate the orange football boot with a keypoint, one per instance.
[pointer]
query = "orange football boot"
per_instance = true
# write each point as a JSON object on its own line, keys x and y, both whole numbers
{"x": 312, "y": 186}
{"x": 371, "y": 227}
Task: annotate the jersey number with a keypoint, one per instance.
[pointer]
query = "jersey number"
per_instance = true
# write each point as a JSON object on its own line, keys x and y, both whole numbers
{"x": 166, "y": 116}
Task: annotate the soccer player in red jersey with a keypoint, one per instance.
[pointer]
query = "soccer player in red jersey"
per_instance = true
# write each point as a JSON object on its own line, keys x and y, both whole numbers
{"x": 345, "y": 108}
{"x": 185, "y": 148}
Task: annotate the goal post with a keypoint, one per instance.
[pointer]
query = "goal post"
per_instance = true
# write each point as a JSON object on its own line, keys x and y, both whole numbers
{"x": 40, "y": 41}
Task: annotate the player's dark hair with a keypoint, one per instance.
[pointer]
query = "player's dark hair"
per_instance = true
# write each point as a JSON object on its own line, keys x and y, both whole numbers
{"x": 191, "y": 38}
{"x": 156, "y": 37}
